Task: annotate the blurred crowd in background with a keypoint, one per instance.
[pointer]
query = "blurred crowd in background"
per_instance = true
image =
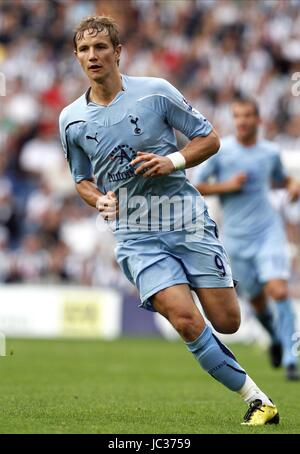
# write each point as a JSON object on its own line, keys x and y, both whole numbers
{"x": 211, "y": 50}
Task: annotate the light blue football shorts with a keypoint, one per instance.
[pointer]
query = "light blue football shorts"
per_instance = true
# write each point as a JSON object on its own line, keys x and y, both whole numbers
{"x": 157, "y": 261}
{"x": 256, "y": 261}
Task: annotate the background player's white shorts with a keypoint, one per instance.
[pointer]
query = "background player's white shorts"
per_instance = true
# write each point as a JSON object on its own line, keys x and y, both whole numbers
{"x": 161, "y": 260}
{"x": 255, "y": 262}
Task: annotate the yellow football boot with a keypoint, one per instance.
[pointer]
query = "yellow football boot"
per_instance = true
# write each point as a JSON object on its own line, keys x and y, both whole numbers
{"x": 260, "y": 414}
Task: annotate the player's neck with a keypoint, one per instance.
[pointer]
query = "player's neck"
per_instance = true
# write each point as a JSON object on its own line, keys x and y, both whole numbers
{"x": 103, "y": 93}
{"x": 247, "y": 141}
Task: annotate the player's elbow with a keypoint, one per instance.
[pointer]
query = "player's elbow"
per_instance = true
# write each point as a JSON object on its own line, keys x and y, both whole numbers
{"x": 215, "y": 142}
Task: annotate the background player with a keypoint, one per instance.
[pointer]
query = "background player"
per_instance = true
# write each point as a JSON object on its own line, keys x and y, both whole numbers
{"x": 244, "y": 171}
{"x": 102, "y": 133}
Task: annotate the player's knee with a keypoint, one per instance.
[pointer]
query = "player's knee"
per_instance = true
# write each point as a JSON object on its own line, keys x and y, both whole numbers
{"x": 187, "y": 325}
{"x": 278, "y": 291}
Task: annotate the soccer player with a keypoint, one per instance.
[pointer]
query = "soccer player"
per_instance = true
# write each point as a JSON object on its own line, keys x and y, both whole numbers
{"x": 119, "y": 141}
{"x": 244, "y": 170}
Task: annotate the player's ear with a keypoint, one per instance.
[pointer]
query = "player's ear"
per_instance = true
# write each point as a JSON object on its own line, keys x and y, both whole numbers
{"x": 118, "y": 50}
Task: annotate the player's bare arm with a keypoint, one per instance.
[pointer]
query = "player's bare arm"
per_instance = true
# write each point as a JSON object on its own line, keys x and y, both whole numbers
{"x": 235, "y": 184}
{"x": 106, "y": 204}
{"x": 196, "y": 151}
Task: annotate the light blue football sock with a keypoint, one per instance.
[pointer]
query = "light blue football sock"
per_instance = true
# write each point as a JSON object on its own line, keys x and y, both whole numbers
{"x": 286, "y": 329}
{"x": 217, "y": 360}
{"x": 268, "y": 321}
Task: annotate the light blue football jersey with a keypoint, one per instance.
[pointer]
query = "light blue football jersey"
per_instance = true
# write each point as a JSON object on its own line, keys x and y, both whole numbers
{"x": 247, "y": 213}
{"x": 101, "y": 141}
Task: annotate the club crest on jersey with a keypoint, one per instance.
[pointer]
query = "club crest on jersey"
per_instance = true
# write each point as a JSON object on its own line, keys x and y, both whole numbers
{"x": 136, "y": 124}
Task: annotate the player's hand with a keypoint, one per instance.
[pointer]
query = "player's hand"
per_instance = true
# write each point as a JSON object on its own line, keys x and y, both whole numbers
{"x": 108, "y": 206}
{"x": 152, "y": 165}
{"x": 293, "y": 191}
{"x": 237, "y": 182}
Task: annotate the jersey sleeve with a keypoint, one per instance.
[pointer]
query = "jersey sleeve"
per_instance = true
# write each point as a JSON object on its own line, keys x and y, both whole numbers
{"x": 79, "y": 163}
{"x": 206, "y": 170}
{"x": 180, "y": 114}
{"x": 278, "y": 174}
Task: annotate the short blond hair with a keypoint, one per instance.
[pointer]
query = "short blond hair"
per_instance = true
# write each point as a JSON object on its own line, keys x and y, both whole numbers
{"x": 95, "y": 25}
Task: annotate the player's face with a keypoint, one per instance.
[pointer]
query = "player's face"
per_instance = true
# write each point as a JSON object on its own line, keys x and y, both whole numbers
{"x": 246, "y": 120}
{"x": 97, "y": 56}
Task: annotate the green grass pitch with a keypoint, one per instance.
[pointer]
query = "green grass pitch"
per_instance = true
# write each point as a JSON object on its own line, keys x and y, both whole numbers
{"x": 129, "y": 386}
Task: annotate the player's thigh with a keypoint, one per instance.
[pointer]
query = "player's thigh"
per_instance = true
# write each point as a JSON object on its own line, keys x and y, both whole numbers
{"x": 177, "y": 305}
{"x": 221, "y": 308}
